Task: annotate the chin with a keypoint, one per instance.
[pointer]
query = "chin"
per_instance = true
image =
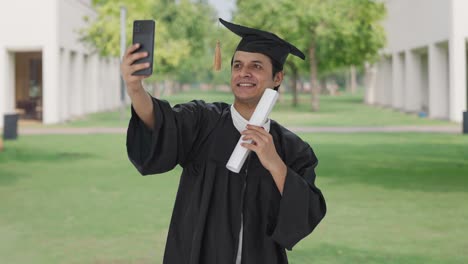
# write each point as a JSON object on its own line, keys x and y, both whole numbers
{"x": 249, "y": 100}
{"x": 244, "y": 95}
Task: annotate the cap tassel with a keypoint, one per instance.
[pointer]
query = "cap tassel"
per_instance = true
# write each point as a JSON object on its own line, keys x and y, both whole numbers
{"x": 217, "y": 58}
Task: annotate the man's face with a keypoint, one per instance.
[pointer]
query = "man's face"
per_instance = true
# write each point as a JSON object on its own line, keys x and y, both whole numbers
{"x": 251, "y": 74}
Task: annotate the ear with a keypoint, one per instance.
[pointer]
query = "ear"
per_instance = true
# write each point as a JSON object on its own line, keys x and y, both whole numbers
{"x": 278, "y": 79}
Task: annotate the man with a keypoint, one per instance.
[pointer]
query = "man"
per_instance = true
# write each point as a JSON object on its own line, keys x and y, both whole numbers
{"x": 221, "y": 216}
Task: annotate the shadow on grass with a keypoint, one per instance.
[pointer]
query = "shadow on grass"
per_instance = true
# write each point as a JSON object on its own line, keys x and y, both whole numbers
{"x": 326, "y": 253}
{"x": 419, "y": 167}
{"x": 26, "y": 155}
{"x": 19, "y": 156}
{"x": 8, "y": 176}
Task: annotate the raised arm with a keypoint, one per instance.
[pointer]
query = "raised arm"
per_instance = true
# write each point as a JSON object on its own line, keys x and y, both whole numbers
{"x": 141, "y": 100}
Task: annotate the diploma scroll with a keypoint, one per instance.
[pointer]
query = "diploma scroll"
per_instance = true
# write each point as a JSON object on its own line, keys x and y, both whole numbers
{"x": 259, "y": 116}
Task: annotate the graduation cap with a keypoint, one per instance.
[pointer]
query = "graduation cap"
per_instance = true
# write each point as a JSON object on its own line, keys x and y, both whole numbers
{"x": 259, "y": 41}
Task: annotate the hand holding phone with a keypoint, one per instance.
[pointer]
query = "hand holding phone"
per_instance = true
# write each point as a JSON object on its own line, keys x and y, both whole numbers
{"x": 143, "y": 33}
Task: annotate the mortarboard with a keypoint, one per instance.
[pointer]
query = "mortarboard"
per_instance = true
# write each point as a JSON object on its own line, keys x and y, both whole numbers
{"x": 259, "y": 41}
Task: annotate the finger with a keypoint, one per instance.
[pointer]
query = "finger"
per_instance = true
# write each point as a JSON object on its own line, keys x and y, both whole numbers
{"x": 134, "y": 57}
{"x": 257, "y": 128}
{"x": 253, "y": 131}
{"x": 250, "y": 126}
{"x": 131, "y": 49}
{"x": 250, "y": 146}
{"x": 255, "y": 135}
{"x": 139, "y": 66}
{"x": 256, "y": 139}
{"x": 138, "y": 55}
{"x": 127, "y": 72}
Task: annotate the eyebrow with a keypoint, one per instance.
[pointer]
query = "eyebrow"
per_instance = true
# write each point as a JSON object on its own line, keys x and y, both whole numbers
{"x": 254, "y": 61}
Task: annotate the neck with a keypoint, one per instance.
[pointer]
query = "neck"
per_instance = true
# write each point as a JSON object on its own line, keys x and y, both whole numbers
{"x": 245, "y": 109}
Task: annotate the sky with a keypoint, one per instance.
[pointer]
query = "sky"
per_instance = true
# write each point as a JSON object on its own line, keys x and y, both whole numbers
{"x": 224, "y": 7}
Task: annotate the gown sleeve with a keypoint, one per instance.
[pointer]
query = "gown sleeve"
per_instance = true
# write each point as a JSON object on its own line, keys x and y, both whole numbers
{"x": 173, "y": 139}
{"x": 302, "y": 204}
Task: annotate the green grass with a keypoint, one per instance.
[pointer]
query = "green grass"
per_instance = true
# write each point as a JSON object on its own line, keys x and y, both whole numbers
{"x": 343, "y": 110}
{"x": 392, "y": 198}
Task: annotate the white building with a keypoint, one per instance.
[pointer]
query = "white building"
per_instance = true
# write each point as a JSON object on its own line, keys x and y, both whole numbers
{"x": 424, "y": 66}
{"x": 45, "y": 72}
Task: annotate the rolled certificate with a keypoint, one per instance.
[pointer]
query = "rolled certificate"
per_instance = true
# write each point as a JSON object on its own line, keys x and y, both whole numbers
{"x": 259, "y": 116}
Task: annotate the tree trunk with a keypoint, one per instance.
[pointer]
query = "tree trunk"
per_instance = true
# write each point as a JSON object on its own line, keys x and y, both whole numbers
{"x": 177, "y": 87}
{"x": 348, "y": 81}
{"x": 315, "y": 90}
{"x": 322, "y": 85}
{"x": 294, "y": 80}
{"x": 168, "y": 85}
{"x": 301, "y": 86}
{"x": 353, "y": 80}
{"x": 156, "y": 90}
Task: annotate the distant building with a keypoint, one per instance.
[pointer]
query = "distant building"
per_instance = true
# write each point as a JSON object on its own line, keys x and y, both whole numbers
{"x": 46, "y": 74}
{"x": 424, "y": 66}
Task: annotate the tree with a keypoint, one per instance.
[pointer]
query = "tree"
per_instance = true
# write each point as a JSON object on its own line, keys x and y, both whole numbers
{"x": 183, "y": 34}
{"x": 341, "y": 33}
{"x": 334, "y": 33}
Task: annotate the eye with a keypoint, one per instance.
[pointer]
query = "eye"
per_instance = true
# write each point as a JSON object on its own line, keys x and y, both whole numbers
{"x": 236, "y": 65}
{"x": 258, "y": 66}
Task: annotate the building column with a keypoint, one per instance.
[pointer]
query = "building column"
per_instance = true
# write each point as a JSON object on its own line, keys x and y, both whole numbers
{"x": 380, "y": 82}
{"x": 370, "y": 83}
{"x": 412, "y": 83}
{"x": 457, "y": 75}
{"x": 86, "y": 75}
{"x": 93, "y": 82}
{"x": 64, "y": 104}
{"x": 51, "y": 91}
{"x": 115, "y": 73}
{"x": 106, "y": 96}
{"x": 387, "y": 88}
{"x": 50, "y": 71}
{"x": 424, "y": 81}
{"x": 438, "y": 82}
{"x": 106, "y": 83}
{"x": 457, "y": 61}
{"x": 78, "y": 85}
{"x": 7, "y": 83}
{"x": 72, "y": 84}
{"x": 398, "y": 80}
{"x": 384, "y": 82}
{"x": 3, "y": 82}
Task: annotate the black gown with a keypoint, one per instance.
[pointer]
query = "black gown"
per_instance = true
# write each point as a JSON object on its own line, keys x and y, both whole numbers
{"x": 211, "y": 200}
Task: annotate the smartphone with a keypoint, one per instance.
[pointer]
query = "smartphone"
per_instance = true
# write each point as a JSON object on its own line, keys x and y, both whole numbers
{"x": 143, "y": 33}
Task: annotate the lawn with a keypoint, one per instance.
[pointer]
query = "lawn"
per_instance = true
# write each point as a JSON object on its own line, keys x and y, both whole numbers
{"x": 343, "y": 110}
{"x": 392, "y": 198}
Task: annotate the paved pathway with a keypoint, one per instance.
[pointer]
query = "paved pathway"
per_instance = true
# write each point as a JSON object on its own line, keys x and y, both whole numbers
{"x": 350, "y": 129}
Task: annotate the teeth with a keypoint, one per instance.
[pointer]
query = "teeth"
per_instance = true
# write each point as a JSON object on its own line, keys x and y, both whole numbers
{"x": 246, "y": 84}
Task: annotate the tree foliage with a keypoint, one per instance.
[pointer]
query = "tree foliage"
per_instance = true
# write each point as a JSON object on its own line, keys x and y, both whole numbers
{"x": 183, "y": 34}
{"x": 332, "y": 33}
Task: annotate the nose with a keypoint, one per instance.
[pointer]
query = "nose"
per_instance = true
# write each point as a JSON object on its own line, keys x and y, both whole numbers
{"x": 245, "y": 72}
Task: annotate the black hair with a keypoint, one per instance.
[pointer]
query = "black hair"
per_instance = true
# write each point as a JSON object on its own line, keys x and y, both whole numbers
{"x": 276, "y": 68}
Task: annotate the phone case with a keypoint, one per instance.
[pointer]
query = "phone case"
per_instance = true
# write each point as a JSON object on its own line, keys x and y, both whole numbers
{"x": 143, "y": 33}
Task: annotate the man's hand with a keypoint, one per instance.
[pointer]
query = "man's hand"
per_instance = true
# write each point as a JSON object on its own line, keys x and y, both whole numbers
{"x": 141, "y": 100}
{"x": 127, "y": 67}
{"x": 263, "y": 145}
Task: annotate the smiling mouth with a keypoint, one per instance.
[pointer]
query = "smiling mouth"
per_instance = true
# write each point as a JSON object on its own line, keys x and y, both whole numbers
{"x": 246, "y": 85}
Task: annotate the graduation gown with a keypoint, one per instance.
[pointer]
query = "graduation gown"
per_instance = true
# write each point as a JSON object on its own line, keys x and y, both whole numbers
{"x": 212, "y": 201}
